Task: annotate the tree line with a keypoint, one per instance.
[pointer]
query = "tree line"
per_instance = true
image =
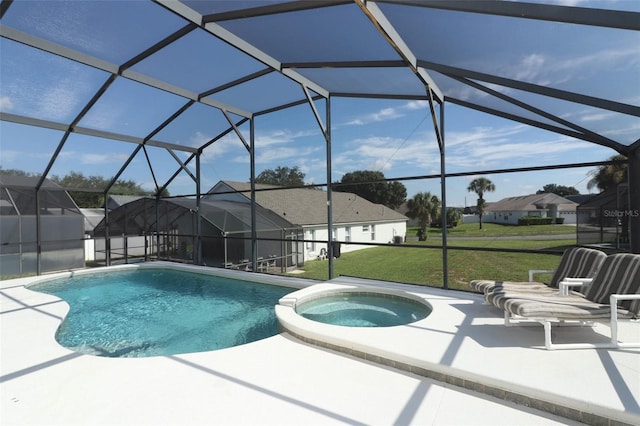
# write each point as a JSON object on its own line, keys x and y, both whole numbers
{"x": 370, "y": 185}
{"x": 90, "y": 189}
{"x": 426, "y": 207}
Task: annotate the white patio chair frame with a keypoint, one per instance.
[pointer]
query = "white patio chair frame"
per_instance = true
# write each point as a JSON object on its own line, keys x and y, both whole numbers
{"x": 547, "y": 322}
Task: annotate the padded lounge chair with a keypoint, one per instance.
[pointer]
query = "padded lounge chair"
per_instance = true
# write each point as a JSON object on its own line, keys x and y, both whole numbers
{"x": 577, "y": 262}
{"x": 614, "y": 296}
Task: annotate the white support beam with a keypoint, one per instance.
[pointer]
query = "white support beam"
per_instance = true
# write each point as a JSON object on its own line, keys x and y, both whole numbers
{"x": 237, "y": 131}
{"x": 56, "y": 49}
{"x": 387, "y": 29}
{"x": 261, "y": 56}
{"x": 240, "y": 44}
{"x": 322, "y": 126}
{"x": 182, "y": 165}
{"x": 93, "y": 62}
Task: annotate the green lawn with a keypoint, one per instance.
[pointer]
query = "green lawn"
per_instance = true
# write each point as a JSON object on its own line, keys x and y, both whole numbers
{"x": 423, "y": 264}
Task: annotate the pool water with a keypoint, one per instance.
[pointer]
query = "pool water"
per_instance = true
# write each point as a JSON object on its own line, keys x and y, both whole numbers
{"x": 152, "y": 312}
{"x": 363, "y": 310}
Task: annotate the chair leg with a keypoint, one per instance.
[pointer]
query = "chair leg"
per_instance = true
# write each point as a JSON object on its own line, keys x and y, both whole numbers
{"x": 547, "y": 335}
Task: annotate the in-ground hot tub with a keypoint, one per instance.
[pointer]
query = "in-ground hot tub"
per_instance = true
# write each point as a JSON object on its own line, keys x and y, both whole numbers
{"x": 350, "y": 318}
{"x": 361, "y": 308}
{"x": 324, "y": 311}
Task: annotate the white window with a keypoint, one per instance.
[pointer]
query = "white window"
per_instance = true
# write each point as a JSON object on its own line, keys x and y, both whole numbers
{"x": 373, "y": 232}
{"x": 365, "y": 228}
{"x": 347, "y": 234}
{"x": 311, "y": 245}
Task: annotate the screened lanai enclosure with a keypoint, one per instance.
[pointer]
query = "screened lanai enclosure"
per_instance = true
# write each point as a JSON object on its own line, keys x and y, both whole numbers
{"x": 177, "y": 95}
{"x": 218, "y": 233}
{"x": 40, "y": 231}
{"x": 604, "y": 219}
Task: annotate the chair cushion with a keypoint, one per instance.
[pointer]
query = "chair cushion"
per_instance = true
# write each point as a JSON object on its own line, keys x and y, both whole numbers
{"x": 498, "y": 297}
{"x": 619, "y": 274}
{"x": 574, "y": 307}
{"x": 577, "y": 262}
{"x": 485, "y": 286}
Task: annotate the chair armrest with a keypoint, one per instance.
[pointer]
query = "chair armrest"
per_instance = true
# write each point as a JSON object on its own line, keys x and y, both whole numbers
{"x": 615, "y": 297}
{"x": 538, "y": 271}
{"x": 566, "y": 283}
{"x": 613, "y": 301}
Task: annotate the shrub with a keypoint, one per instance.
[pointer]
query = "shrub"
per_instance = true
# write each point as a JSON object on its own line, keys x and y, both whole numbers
{"x": 535, "y": 220}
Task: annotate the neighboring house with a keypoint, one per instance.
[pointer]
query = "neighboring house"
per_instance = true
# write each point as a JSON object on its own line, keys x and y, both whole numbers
{"x": 509, "y": 210}
{"x": 403, "y": 210}
{"x": 354, "y": 218}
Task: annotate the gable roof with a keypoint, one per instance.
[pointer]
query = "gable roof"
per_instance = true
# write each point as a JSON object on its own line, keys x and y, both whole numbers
{"x": 304, "y": 206}
{"x": 531, "y": 202}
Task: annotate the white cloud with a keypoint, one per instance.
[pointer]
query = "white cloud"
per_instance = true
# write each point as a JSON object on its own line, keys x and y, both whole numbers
{"x": 530, "y": 67}
{"x": 281, "y": 136}
{"x": 417, "y": 105}
{"x": 5, "y": 103}
{"x": 103, "y": 158}
{"x": 598, "y": 116}
{"x": 486, "y": 134}
{"x": 9, "y": 157}
{"x": 280, "y": 155}
{"x": 384, "y": 114}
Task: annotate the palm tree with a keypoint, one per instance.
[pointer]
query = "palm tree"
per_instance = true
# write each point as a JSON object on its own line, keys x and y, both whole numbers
{"x": 480, "y": 186}
{"x": 423, "y": 206}
{"x": 609, "y": 175}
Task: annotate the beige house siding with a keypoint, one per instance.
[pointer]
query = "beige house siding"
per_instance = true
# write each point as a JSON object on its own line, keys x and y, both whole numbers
{"x": 510, "y": 210}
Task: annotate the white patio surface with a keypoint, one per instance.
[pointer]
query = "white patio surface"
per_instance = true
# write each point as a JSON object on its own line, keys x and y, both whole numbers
{"x": 282, "y": 380}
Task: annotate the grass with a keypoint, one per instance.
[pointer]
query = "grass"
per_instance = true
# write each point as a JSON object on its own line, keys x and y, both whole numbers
{"x": 421, "y": 262}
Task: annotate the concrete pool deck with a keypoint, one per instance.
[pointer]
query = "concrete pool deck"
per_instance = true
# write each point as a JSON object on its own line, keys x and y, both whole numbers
{"x": 283, "y": 380}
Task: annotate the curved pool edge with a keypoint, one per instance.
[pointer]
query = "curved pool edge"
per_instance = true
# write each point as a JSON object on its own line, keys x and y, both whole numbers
{"x": 386, "y": 346}
{"x": 355, "y": 341}
{"x": 283, "y": 281}
{"x": 56, "y": 309}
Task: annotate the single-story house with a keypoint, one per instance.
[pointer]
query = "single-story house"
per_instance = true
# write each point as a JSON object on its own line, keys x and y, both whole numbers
{"x": 509, "y": 210}
{"x": 355, "y": 219}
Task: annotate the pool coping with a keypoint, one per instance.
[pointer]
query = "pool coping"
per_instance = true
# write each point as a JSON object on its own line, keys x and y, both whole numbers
{"x": 373, "y": 348}
{"x": 592, "y": 403}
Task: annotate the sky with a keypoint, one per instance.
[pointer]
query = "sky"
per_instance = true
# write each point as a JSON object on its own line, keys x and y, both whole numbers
{"x": 395, "y": 137}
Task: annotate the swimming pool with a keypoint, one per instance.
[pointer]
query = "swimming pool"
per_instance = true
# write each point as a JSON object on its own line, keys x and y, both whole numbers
{"x": 152, "y": 312}
{"x": 362, "y": 309}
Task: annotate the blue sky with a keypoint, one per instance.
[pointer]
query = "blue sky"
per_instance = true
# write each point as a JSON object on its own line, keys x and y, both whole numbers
{"x": 392, "y": 136}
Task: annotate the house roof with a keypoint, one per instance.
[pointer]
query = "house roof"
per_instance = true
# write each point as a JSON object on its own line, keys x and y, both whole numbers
{"x": 531, "y": 202}
{"x": 304, "y": 206}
